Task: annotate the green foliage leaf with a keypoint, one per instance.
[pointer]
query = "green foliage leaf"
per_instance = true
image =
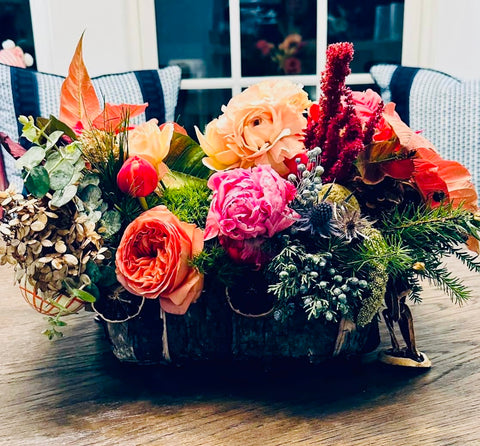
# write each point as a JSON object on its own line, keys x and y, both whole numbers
{"x": 93, "y": 271}
{"x": 108, "y": 276}
{"x": 32, "y": 157}
{"x": 61, "y": 175}
{"x": 38, "y": 182}
{"x": 72, "y": 152}
{"x": 52, "y": 139}
{"x": 52, "y": 124}
{"x": 29, "y": 130}
{"x": 62, "y": 197}
{"x": 111, "y": 221}
{"x": 185, "y": 156}
{"x": 91, "y": 196}
{"x": 84, "y": 295}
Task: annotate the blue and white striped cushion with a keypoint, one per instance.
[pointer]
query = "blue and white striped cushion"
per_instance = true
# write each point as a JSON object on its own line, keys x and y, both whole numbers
{"x": 27, "y": 92}
{"x": 445, "y": 109}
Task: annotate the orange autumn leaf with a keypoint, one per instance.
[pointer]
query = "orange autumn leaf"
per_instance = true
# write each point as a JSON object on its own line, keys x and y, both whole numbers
{"x": 78, "y": 100}
{"x": 408, "y": 137}
{"x": 384, "y": 158}
{"x": 115, "y": 114}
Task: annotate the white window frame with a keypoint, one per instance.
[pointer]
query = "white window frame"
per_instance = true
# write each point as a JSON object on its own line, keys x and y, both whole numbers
{"x": 133, "y": 45}
{"x": 236, "y": 82}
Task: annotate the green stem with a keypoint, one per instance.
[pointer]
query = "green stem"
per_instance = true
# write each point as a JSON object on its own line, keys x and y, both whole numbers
{"x": 143, "y": 202}
{"x": 421, "y": 222}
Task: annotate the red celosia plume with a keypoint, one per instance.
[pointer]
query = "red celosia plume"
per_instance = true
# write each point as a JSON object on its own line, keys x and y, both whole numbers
{"x": 333, "y": 124}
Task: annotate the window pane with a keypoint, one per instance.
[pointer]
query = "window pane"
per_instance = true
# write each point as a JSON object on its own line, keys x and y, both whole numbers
{"x": 16, "y": 24}
{"x": 373, "y": 26}
{"x": 199, "y": 107}
{"x": 194, "y": 35}
{"x": 278, "y": 37}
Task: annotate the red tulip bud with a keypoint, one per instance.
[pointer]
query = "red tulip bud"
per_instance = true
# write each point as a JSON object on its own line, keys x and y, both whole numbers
{"x": 137, "y": 177}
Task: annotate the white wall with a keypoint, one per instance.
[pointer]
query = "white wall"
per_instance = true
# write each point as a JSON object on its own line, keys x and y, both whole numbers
{"x": 443, "y": 35}
{"x": 119, "y": 34}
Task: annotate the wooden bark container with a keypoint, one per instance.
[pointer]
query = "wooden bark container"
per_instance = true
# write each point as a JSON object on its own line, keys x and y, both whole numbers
{"x": 210, "y": 330}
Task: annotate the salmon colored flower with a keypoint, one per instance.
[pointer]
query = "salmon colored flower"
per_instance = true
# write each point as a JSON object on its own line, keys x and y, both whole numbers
{"x": 153, "y": 259}
{"x": 149, "y": 142}
{"x": 261, "y": 125}
{"x": 137, "y": 177}
{"x": 435, "y": 177}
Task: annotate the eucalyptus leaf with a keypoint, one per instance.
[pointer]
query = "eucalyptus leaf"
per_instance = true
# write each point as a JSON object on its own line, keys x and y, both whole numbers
{"x": 38, "y": 181}
{"x": 185, "y": 156}
{"x": 32, "y": 157}
{"x": 52, "y": 123}
{"x": 52, "y": 139}
{"x": 89, "y": 178}
{"x": 94, "y": 216}
{"x": 61, "y": 176}
{"x": 77, "y": 176}
{"x": 93, "y": 271}
{"x": 71, "y": 152}
{"x": 79, "y": 165}
{"x": 53, "y": 160}
{"x": 29, "y": 130}
{"x": 111, "y": 222}
{"x": 91, "y": 196}
{"x": 62, "y": 197}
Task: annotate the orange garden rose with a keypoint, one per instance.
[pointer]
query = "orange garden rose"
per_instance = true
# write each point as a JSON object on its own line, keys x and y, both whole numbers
{"x": 151, "y": 143}
{"x": 261, "y": 125}
{"x": 153, "y": 257}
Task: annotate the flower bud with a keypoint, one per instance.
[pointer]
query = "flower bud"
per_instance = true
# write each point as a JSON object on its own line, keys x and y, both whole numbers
{"x": 137, "y": 177}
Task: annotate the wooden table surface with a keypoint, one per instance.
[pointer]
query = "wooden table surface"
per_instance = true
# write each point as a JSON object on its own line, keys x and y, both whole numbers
{"x": 73, "y": 391}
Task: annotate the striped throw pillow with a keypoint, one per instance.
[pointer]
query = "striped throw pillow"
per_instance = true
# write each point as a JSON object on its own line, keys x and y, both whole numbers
{"x": 28, "y": 92}
{"x": 445, "y": 109}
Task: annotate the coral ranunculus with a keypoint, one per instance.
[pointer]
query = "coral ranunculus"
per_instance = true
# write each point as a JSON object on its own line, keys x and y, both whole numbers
{"x": 149, "y": 142}
{"x": 137, "y": 177}
{"x": 261, "y": 125}
{"x": 153, "y": 258}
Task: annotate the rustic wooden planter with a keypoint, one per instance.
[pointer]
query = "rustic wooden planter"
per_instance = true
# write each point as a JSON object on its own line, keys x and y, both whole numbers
{"x": 210, "y": 330}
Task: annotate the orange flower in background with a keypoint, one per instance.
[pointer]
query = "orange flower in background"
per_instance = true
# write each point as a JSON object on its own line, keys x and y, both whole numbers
{"x": 153, "y": 259}
{"x": 261, "y": 125}
{"x": 150, "y": 143}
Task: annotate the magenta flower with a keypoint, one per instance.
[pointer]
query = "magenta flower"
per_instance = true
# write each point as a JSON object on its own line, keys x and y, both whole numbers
{"x": 249, "y": 203}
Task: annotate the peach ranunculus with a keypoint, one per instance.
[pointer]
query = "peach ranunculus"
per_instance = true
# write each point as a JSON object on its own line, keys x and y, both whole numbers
{"x": 261, "y": 125}
{"x": 150, "y": 143}
{"x": 153, "y": 258}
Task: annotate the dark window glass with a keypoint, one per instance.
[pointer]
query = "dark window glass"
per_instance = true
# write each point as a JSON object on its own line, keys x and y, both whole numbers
{"x": 199, "y": 107}
{"x": 278, "y": 37}
{"x": 194, "y": 35}
{"x": 375, "y": 28}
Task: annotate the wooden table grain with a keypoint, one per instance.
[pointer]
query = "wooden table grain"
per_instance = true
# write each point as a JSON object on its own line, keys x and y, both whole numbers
{"x": 73, "y": 392}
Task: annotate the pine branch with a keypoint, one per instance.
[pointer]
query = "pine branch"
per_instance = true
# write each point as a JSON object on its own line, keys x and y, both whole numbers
{"x": 470, "y": 260}
{"x": 450, "y": 284}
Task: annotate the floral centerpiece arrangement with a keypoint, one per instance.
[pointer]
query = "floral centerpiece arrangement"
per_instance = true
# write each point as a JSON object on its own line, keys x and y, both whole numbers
{"x": 291, "y": 221}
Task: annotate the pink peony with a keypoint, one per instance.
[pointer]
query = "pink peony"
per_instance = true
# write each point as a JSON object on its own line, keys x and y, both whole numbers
{"x": 247, "y": 204}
